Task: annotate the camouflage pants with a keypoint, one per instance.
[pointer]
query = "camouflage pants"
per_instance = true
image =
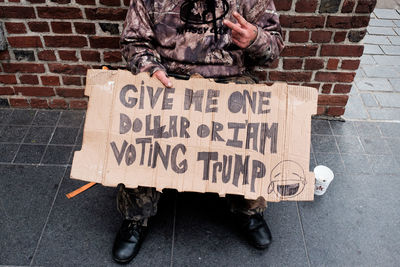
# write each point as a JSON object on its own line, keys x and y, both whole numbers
{"x": 140, "y": 203}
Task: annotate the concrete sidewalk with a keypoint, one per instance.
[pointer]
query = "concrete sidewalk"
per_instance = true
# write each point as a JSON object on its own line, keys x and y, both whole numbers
{"x": 356, "y": 223}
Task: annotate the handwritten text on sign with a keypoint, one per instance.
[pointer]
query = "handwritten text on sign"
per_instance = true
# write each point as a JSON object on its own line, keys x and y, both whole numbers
{"x": 245, "y": 139}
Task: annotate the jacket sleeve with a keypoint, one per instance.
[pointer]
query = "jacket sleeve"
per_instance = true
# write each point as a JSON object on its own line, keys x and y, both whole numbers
{"x": 269, "y": 43}
{"x": 137, "y": 40}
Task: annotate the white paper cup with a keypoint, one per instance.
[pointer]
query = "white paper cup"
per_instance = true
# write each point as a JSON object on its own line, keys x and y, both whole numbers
{"x": 323, "y": 177}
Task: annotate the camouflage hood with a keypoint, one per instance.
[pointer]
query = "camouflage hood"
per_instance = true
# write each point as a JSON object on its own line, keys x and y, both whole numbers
{"x": 188, "y": 36}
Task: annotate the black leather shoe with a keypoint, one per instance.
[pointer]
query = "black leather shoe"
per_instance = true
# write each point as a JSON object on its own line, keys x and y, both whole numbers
{"x": 257, "y": 231}
{"x": 128, "y": 240}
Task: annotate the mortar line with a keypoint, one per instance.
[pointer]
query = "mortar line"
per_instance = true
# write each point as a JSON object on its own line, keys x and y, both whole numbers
{"x": 48, "y": 217}
{"x": 302, "y": 233}
{"x": 25, "y": 135}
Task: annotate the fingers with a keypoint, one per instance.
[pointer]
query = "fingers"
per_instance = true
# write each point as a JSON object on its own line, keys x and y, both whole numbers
{"x": 234, "y": 27}
{"x": 240, "y": 19}
{"x": 162, "y": 77}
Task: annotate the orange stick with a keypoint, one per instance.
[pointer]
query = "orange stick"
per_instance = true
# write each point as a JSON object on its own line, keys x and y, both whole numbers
{"x": 80, "y": 190}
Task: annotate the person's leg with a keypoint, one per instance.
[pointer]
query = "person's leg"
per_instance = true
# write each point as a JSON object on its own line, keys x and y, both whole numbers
{"x": 250, "y": 216}
{"x": 136, "y": 206}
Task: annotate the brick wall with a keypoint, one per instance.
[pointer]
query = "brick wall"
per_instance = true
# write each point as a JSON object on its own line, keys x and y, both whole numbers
{"x": 51, "y": 43}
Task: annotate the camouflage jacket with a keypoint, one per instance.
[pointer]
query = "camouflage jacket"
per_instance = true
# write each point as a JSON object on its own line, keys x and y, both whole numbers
{"x": 188, "y": 36}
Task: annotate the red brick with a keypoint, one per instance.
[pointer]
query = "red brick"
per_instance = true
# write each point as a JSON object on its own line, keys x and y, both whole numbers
{"x": 39, "y": 26}
{"x": 342, "y": 88}
{"x": 17, "y": 12}
{"x": 292, "y": 63}
{"x": 37, "y": 1}
{"x": 299, "y": 51}
{"x": 50, "y": 80}
{"x": 8, "y": 79}
{"x": 342, "y": 50}
{"x": 19, "y": 102}
{"x": 335, "y": 100}
{"x": 321, "y": 36}
{"x": 261, "y": 75}
{"x": 115, "y": 14}
{"x": 321, "y": 110}
{"x": 4, "y": 55}
{"x": 344, "y": 77}
{"x": 326, "y": 88}
{"x": 306, "y": 6}
{"x": 345, "y": 22}
{"x": 59, "y": 12}
{"x": 365, "y": 6}
{"x": 78, "y": 104}
{"x": 104, "y": 42}
{"x": 65, "y": 41}
{"x": 335, "y": 111}
{"x": 332, "y": 64}
{"x": 340, "y": 37}
{"x": 67, "y": 55}
{"x": 299, "y": 36}
{"x": 6, "y": 90}
{"x": 58, "y": 103}
{"x": 61, "y": 27}
{"x": 34, "y": 91}
{"x": 25, "y": 41}
{"x": 290, "y": 76}
{"x": 71, "y": 80}
{"x": 39, "y": 103}
{"x": 28, "y": 79}
{"x": 85, "y": 28}
{"x": 283, "y": 5}
{"x": 350, "y": 64}
{"x": 15, "y": 27}
{"x": 274, "y": 64}
{"x": 314, "y": 64}
{"x": 112, "y": 57}
{"x": 86, "y": 2}
{"x": 47, "y": 55}
{"x": 110, "y": 2}
{"x": 23, "y": 67}
{"x": 90, "y": 56}
{"x": 68, "y": 69}
{"x": 70, "y": 92}
{"x": 309, "y": 22}
{"x": 348, "y": 6}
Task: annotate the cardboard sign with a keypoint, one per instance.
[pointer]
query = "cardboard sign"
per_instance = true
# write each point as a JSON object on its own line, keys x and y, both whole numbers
{"x": 202, "y": 136}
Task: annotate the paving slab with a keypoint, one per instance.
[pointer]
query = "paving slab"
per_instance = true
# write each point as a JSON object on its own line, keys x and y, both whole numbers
{"x": 381, "y": 23}
{"x": 8, "y": 152}
{"x": 30, "y": 154}
{"x": 383, "y": 13}
{"x": 375, "y": 145}
{"x": 367, "y": 60}
{"x": 367, "y": 128}
{"x": 373, "y": 84}
{"x": 349, "y": 144}
{"x": 388, "y": 114}
{"x": 387, "y": 60}
{"x": 343, "y": 128}
{"x": 391, "y": 100}
{"x": 22, "y": 117}
{"x": 38, "y": 135}
{"x": 333, "y": 160}
{"x": 369, "y": 100}
{"x": 81, "y": 230}
{"x": 324, "y": 143}
{"x": 355, "y": 108}
{"x": 390, "y": 129}
{"x": 26, "y": 196}
{"x": 64, "y": 136}
{"x": 395, "y": 84}
{"x": 71, "y": 118}
{"x": 357, "y": 163}
{"x": 371, "y": 49}
{"x": 395, "y": 40}
{"x": 384, "y": 164}
{"x": 376, "y": 39}
{"x": 46, "y": 118}
{"x": 206, "y": 235}
{"x": 4, "y": 115}
{"x": 13, "y": 134}
{"x": 380, "y": 71}
{"x": 391, "y": 49}
{"x": 355, "y": 223}
{"x": 386, "y": 31}
{"x": 320, "y": 127}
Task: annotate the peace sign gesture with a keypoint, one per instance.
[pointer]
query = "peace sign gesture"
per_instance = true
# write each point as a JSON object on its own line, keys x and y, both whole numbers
{"x": 243, "y": 32}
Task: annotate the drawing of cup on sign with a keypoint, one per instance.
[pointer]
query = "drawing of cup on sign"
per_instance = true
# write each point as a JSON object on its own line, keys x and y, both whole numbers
{"x": 289, "y": 183}
{"x": 323, "y": 177}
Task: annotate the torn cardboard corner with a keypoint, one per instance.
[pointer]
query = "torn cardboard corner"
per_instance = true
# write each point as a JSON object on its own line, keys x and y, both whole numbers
{"x": 251, "y": 140}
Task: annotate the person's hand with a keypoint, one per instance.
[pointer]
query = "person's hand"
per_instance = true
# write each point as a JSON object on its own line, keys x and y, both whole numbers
{"x": 162, "y": 77}
{"x": 243, "y": 32}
